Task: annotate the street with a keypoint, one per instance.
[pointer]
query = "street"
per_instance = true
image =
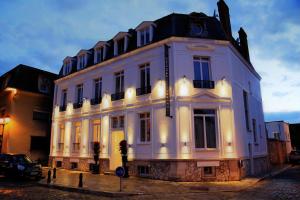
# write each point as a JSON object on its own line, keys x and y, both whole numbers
{"x": 283, "y": 186}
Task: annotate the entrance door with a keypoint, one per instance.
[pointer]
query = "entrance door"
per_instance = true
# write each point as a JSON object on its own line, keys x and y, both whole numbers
{"x": 115, "y": 156}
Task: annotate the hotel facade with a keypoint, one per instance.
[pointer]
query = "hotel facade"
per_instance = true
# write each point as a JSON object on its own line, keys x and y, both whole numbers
{"x": 180, "y": 90}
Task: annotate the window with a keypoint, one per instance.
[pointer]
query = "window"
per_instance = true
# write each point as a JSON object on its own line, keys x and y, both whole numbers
{"x": 58, "y": 164}
{"x": 119, "y": 77}
{"x": 246, "y": 109}
{"x": 79, "y": 94}
{"x": 209, "y": 171}
{"x": 77, "y": 137}
{"x": 254, "y": 131}
{"x": 121, "y": 46}
{"x": 96, "y": 130}
{"x": 202, "y": 68}
{"x": 118, "y": 122}
{"x": 145, "y": 36}
{"x": 64, "y": 98}
{"x": 145, "y": 86}
{"x": 98, "y": 88}
{"x": 41, "y": 116}
{"x": 99, "y": 54}
{"x": 67, "y": 67}
{"x": 145, "y": 127}
{"x": 44, "y": 84}
{"x": 61, "y": 138}
{"x": 81, "y": 62}
{"x": 143, "y": 171}
{"x": 205, "y": 128}
{"x": 74, "y": 165}
{"x": 145, "y": 75}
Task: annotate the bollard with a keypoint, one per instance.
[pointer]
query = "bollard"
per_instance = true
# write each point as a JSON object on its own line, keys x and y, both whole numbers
{"x": 49, "y": 177}
{"x": 54, "y": 173}
{"x": 80, "y": 180}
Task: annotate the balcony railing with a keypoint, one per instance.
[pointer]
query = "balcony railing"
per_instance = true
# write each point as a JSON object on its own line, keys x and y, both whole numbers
{"x": 60, "y": 147}
{"x": 204, "y": 84}
{"x": 144, "y": 90}
{"x": 117, "y": 96}
{"x": 77, "y": 105}
{"x": 76, "y": 147}
{"x": 62, "y": 108}
{"x": 95, "y": 101}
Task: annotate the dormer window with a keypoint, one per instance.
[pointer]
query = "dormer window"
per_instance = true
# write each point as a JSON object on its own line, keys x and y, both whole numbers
{"x": 145, "y": 36}
{"x": 99, "y": 54}
{"x": 121, "y": 46}
{"x": 120, "y": 43}
{"x": 81, "y": 61}
{"x": 145, "y": 33}
{"x": 67, "y": 66}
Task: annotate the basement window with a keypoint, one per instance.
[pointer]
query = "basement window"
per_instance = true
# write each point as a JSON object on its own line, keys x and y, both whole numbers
{"x": 58, "y": 164}
{"x": 209, "y": 171}
{"x": 74, "y": 165}
{"x": 144, "y": 171}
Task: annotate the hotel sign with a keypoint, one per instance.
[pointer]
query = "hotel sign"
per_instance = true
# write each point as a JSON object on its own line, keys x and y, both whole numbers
{"x": 167, "y": 80}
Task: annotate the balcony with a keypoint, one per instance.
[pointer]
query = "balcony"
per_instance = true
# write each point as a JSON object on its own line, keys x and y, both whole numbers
{"x": 204, "y": 84}
{"x": 117, "y": 96}
{"x": 62, "y": 108}
{"x": 96, "y": 101}
{"x": 77, "y": 105}
{"x": 144, "y": 90}
{"x": 76, "y": 147}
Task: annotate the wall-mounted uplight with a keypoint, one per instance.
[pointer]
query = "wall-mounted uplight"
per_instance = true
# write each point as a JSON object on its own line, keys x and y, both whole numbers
{"x": 163, "y": 145}
{"x": 129, "y": 145}
{"x": 183, "y": 87}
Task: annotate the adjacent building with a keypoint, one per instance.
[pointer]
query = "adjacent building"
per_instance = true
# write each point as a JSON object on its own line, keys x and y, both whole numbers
{"x": 26, "y": 95}
{"x": 182, "y": 92}
{"x": 295, "y": 135}
{"x": 279, "y": 141}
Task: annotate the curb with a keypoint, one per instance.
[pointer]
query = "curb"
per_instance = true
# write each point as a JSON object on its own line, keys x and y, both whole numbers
{"x": 87, "y": 191}
{"x": 271, "y": 174}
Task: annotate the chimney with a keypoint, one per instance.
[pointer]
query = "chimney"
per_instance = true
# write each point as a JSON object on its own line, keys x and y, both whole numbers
{"x": 225, "y": 18}
{"x": 244, "y": 44}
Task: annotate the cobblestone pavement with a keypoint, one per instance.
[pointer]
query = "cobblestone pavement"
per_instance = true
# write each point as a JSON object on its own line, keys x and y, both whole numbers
{"x": 283, "y": 186}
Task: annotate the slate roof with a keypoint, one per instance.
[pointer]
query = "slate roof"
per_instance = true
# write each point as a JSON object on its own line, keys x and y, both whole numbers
{"x": 175, "y": 24}
{"x": 26, "y": 78}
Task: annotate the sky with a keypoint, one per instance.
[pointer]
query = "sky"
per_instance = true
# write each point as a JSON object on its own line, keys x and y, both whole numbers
{"x": 42, "y": 33}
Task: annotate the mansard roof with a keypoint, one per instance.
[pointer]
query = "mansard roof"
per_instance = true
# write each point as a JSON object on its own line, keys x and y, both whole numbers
{"x": 144, "y": 24}
{"x": 178, "y": 25}
{"x": 100, "y": 44}
{"x": 83, "y": 51}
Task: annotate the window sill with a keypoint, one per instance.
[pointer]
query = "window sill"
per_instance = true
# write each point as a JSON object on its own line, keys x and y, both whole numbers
{"x": 143, "y": 143}
{"x": 206, "y": 149}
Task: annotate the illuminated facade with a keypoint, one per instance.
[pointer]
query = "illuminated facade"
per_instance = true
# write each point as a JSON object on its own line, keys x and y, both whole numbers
{"x": 187, "y": 100}
{"x": 25, "y": 111}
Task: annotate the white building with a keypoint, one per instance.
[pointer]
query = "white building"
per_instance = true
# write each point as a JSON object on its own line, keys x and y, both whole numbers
{"x": 279, "y": 130}
{"x": 180, "y": 90}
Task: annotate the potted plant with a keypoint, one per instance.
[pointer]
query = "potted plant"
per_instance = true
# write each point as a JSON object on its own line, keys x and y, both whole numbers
{"x": 123, "y": 150}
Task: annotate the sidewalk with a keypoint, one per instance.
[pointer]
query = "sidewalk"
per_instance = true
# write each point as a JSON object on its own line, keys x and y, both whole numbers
{"x": 107, "y": 185}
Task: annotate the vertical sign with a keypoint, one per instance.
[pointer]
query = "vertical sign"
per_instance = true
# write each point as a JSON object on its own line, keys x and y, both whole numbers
{"x": 167, "y": 80}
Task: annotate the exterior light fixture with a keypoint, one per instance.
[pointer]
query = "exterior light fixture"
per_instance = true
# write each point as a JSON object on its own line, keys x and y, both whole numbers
{"x": 163, "y": 145}
{"x": 185, "y": 144}
{"x": 129, "y": 145}
{"x": 229, "y": 143}
{"x": 3, "y": 121}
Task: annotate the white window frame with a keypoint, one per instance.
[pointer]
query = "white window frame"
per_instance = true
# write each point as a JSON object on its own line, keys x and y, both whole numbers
{"x": 76, "y": 126}
{"x": 145, "y": 67}
{"x": 144, "y": 33}
{"x": 78, "y": 98}
{"x": 120, "y": 74}
{"x": 81, "y": 61}
{"x": 147, "y": 140}
{"x": 62, "y": 103}
{"x": 99, "y": 81}
{"x": 202, "y": 59}
{"x": 216, "y": 128}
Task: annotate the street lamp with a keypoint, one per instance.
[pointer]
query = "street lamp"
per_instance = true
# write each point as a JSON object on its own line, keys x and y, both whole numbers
{"x": 3, "y": 121}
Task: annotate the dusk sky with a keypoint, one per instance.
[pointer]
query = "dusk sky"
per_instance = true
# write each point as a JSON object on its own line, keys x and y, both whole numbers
{"x": 42, "y": 33}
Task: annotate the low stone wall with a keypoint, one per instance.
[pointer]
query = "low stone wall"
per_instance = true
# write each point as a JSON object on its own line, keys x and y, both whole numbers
{"x": 187, "y": 170}
{"x": 83, "y": 163}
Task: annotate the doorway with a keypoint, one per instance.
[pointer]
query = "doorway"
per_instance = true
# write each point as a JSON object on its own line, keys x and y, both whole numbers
{"x": 115, "y": 156}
